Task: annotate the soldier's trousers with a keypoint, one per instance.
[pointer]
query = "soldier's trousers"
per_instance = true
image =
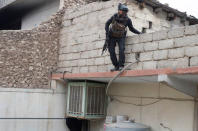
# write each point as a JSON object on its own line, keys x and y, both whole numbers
{"x": 121, "y": 45}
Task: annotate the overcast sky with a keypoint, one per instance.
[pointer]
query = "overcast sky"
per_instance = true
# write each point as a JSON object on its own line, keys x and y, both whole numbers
{"x": 189, "y": 6}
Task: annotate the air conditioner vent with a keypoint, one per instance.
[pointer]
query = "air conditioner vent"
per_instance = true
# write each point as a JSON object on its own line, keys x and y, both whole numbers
{"x": 86, "y": 100}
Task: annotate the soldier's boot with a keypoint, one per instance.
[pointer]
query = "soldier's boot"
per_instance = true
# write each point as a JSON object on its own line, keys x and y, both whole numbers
{"x": 116, "y": 68}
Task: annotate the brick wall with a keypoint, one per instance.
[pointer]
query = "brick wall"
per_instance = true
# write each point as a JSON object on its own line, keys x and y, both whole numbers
{"x": 82, "y": 38}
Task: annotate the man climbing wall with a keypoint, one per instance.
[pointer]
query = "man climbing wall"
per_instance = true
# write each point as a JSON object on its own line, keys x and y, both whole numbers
{"x": 117, "y": 34}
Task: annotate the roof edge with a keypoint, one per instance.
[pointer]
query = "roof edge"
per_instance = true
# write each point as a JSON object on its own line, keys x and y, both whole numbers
{"x": 156, "y": 4}
{"x": 128, "y": 73}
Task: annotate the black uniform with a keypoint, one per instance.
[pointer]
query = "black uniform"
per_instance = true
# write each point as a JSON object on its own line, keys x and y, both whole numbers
{"x": 125, "y": 21}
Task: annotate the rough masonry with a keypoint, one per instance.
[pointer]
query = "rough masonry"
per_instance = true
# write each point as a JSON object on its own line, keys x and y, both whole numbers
{"x": 27, "y": 57}
{"x": 82, "y": 39}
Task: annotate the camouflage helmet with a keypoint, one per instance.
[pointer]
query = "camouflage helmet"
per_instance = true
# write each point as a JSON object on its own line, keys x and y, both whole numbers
{"x": 123, "y": 7}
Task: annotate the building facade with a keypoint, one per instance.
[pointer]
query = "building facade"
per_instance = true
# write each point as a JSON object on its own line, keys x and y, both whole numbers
{"x": 159, "y": 90}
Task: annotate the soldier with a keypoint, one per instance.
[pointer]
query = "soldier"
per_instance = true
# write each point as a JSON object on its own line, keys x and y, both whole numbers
{"x": 117, "y": 34}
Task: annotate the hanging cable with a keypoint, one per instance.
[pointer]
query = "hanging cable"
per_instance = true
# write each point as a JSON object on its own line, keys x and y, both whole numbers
{"x": 158, "y": 99}
{"x": 136, "y": 104}
{"x": 137, "y": 56}
{"x": 117, "y": 75}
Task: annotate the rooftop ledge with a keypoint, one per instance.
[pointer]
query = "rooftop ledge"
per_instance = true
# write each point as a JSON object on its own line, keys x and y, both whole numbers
{"x": 182, "y": 79}
{"x": 127, "y": 74}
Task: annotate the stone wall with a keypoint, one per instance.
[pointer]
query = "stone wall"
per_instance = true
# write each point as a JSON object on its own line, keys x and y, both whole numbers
{"x": 28, "y": 56}
{"x": 82, "y": 39}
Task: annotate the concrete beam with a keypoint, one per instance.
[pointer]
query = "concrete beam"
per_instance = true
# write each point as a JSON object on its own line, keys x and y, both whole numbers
{"x": 184, "y": 86}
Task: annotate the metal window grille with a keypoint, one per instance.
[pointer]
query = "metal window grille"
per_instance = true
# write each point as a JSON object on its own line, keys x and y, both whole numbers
{"x": 86, "y": 100}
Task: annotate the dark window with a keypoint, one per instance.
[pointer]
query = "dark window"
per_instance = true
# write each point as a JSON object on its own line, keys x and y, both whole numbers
{"x": 150, "y": 25}
{"x": 143, "y": 30}
{"x": 11, "y": 25}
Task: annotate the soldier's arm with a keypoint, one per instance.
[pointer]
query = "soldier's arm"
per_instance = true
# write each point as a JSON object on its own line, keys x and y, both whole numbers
{"x": 131, "y": 28}
{"x": 108, "y": 23}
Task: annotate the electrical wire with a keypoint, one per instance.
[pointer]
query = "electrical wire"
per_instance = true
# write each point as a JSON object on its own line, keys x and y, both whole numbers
{"x": 136, "y": 104}
{"x": 161, "y": 98}
{"x": 118, "y": 74}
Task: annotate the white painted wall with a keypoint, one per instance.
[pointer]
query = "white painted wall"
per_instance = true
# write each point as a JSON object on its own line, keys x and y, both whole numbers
{"x": 51, "y": 103}
{"x": 178, "y": 115}
{"x": 36, "y": 103}
{"x": 39, "y": 14}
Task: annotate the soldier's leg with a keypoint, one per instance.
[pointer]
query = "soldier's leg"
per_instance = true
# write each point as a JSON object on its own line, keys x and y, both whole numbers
{"x": 121, "y": 44}
{"x": 112, "y": 52}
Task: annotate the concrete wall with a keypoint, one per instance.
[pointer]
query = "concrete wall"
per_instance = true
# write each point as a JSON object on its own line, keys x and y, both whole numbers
{"x": 33, "y": 103}
{"x": 173, "y": 108}
{"x": 40, "y": 14}
{"x": 177, "y": 114}
{"x": 83, "y": 34}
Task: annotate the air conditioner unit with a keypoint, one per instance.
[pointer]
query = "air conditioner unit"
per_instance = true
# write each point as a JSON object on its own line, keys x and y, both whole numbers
{"x": 86, "y": 100}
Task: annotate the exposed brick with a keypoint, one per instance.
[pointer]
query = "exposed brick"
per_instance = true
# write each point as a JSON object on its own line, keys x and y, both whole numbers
{"x": 194, "y": 61}
{"x": 90, "y": 61}
{"x": 191, "y": 51}
{"x": 161, "y": 54}
{"x": 173, "y": 63}
{"x": 73, "y": 62}
{"x": 136, "y": 66}
{"x": 82, "y": 62}
{"x": 102, "y": 68}
{"x": 160, "y": 35}
{"x": 177, "y": 32}
{"x": 130, "y": 57}
{"x": 73, "y": 49}
{"x": 137, "y": 47}
{"x": 93, "y": 68}
{"x": 190, "y": 30}
{"x": 63, "y": 57}
{"x": 186, "y": 41}
{"x": 150, "y": 65}
{"x": 84, "y": 54}
{"x": 150, "y": 46}
{"x": 75, "y": 69}
{"x": 75, "y": 56}
{"x": 98, "y": 44}
{"x": 128, "y": 48}
{"x": 65, "y": 64}
{"x": 84, "y": 69}
{"x": 146, "y": 56}
{"x": 93, "y": 53}
{"x": 146, "y": 37}
{"x": 165, "y": 44}
{"x": 133, "y": 39}
{"x": 176, "y": 53}
{"x": 99, "y": 61}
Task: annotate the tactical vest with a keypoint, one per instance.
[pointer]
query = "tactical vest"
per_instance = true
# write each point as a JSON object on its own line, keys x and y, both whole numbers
{"x": 118, "y": 26}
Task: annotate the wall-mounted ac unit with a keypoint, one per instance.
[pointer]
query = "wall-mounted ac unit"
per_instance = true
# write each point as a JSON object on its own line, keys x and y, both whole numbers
{"x": 86, "y": 100}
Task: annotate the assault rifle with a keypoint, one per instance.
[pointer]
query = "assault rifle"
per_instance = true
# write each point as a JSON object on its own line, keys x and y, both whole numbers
{"x": 106, "y": 44}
